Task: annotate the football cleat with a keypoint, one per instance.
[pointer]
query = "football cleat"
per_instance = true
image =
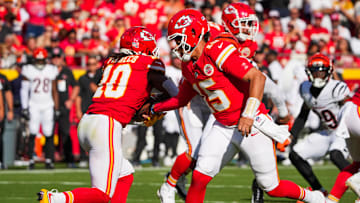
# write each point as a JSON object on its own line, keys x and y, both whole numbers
{"x": 354, "y": 183}
{"x": 257, "y": 193}
{"x": 180, "y": 186}
{"x": 318, "y": 197}
{"x": 166, "y": 193}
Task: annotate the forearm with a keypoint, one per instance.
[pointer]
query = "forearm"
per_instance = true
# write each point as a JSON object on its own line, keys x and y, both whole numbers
{"x": 170, "y": 104}
{"x": 300, "y": 121}
{"x": 9, "y": 100}
{"x": 74, "y": 93}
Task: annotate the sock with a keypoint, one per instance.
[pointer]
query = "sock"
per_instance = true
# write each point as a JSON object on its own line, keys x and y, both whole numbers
{"x": 339, "y": 187}
{"x": 49, "y": 148}
{"x": 305, "y": 170}
{"x": 337, "y": 157}
{"x": 287, "y": 189}
{"x": 196, "y": 193}
{"x": 182, "y": 163}
{"x": 88, "y": 195}
{"x": 122, "y": 189}
{"x": 31, "y": 145}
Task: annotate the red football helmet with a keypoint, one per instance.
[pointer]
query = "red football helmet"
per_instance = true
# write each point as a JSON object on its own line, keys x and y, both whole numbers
{"x": 40, "y": 55}
{"x": 139, "y": 40}
{"x": 319, "y": 69}
{"x": 187, "y": 28}
{"x": 241, "y": 21}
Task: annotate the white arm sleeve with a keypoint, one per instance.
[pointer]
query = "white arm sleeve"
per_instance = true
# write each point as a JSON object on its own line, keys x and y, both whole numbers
{"x": 24, "y": 93}
{"x": 274, "y": 92}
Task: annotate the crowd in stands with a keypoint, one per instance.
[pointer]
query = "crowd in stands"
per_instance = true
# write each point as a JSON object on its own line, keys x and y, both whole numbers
{"x": 79, "y": 30}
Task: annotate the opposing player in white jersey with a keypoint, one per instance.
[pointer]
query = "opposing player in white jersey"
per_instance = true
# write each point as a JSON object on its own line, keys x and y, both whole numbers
{"x": 349, "y": 116}
{"x": 324, "y": 96}
{"x": 38, "y": 99}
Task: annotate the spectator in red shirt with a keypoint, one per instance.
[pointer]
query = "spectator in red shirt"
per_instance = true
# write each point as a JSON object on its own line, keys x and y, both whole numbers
{"x": 8, "y": 7}
{"x": 315, "y": 32}
{"x": 69, "y": 45}
{"x": 153, "y": 16}
{"x": 276, "y": 40}
{"x": 37, "y": 13}
{"x": 55, "y": 21}
{"x": 99, "y": 46}
{"x": 116, "y": 31}
{"x": 344, "y": 56}
{"x": 130, "y": 10}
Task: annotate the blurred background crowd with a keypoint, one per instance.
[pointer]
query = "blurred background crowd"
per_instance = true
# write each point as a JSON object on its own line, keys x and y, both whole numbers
{"x": 80, "y": 34}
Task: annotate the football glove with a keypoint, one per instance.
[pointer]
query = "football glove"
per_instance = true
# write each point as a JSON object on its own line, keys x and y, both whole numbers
{"x": 282, "y": 146}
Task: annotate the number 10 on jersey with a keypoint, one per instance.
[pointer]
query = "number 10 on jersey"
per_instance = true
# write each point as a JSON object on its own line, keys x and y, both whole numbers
{"x": 114, "y": 81}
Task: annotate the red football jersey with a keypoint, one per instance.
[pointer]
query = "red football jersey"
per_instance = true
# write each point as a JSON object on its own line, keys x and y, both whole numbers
{"x": 217, "y": 76}
{"x": 356, "y": 98}
{"x": 248, "y": 48}
{"x": 124, "y": 86}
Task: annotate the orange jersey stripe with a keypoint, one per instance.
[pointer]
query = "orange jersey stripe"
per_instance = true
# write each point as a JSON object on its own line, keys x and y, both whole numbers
{"x": 277, "y": 171}
{"x": 186, "y": 137}
{"x": 358, "y": 110}
{"x": 111, "y": 158}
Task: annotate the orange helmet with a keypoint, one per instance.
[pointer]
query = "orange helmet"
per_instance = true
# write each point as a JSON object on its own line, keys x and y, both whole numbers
{"x": 40, "y": 54}
{"x": 319, "y": 69}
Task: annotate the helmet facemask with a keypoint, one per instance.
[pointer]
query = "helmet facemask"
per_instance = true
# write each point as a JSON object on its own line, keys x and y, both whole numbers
{"x": 183, "y": 50}
{"x": 318, "y": 75}
{"x": 249, "y": 24}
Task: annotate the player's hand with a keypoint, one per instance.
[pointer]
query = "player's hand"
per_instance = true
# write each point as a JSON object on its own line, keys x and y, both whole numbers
{"x": 57, "y": 114}
{"x": 10, "y": 115}
{"x": 68, "y": 103}
{"x": 25, "y": 114}
{"x": 244, "y": 125}
{"x": 282, "y": 146}
{"x": 153, "y": 118}
{"x": 283, "y": 120}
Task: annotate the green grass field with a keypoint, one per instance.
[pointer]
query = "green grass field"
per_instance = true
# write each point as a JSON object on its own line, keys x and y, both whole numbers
{"x": 232, "y": 185}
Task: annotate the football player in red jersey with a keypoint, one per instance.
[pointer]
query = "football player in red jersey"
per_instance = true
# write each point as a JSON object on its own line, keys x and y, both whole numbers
{"x": 232, "y": 88}
{"x": 127, "y": 81}
{"x": 194, "y": 121}
{"x": 241, "y": 21}
{"x": 349, "y": 116}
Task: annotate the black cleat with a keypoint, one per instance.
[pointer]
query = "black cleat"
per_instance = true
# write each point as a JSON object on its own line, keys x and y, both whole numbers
{"x": 49, "y": 165}
{"x": 257, "y": 193}
{"x": 31, "y": 166}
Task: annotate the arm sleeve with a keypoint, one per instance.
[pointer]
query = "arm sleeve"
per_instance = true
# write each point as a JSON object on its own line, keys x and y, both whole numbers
{"x": 24, "y": 93}
{"x": 300, "y": 121}
{"x": 274, "y": 93}
{"x": 72, "y": 80}
{"x": 186, "y": 93}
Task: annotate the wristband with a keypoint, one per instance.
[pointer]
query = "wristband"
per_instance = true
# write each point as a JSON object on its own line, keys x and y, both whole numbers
{"x": 252, "y": 105}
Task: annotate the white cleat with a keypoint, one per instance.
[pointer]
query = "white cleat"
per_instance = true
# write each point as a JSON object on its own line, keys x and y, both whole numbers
{"x": 317, "y": 197}
{"x": 354, "y": 183}
{"x": 166, "y": 193}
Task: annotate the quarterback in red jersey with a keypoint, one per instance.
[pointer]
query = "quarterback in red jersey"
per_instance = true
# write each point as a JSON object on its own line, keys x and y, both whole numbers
{"x": 127, "y": 80}
{"x": 232, "y": 88}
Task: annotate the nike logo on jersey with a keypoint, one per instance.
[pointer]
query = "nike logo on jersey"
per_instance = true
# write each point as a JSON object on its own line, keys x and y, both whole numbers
{"x": 220, "y": 45}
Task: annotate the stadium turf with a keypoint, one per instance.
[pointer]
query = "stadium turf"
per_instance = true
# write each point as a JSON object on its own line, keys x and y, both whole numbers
{"x": 232, "y": 185}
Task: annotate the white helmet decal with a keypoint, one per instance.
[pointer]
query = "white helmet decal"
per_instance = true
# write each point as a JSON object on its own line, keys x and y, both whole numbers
{"x": 230, "y": 9}
{"x": 146, "y": 36}
{"x": 183, "y": 22}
